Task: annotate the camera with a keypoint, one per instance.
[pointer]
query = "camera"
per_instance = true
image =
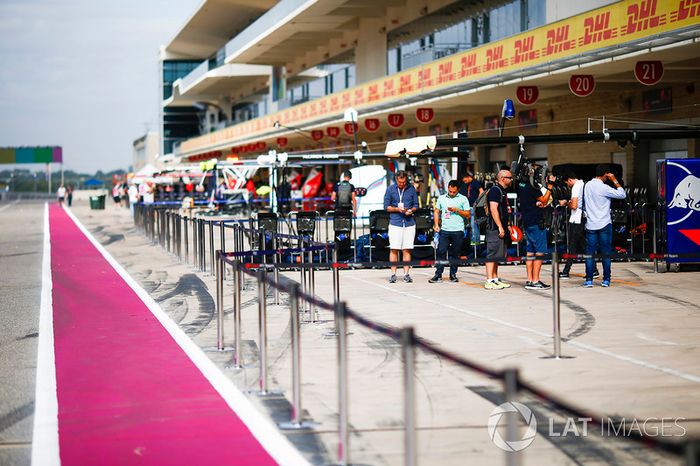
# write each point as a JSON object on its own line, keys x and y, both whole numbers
{"x": 536, "y": 175}
{"x": 526, "y": 171}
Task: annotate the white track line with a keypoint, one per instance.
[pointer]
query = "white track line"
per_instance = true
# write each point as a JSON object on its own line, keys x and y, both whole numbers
{"x": 641, "y": 336}
{"x": 261, "y": 427}
{"x": 8, "y": 205}
{"x": 591, "y": 348}
{"x": 45, "y": 449}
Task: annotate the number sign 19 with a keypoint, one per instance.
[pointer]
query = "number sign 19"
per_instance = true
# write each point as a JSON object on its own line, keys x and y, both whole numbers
{"x": 527, "y": 95}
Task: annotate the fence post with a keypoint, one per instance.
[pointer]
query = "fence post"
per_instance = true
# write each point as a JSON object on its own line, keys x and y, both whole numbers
{"x": 195, "y": 242}
{"x": 556, "y": 335}
{"x": 510, "y": 382}
{"x": 222, "y": 246}
{"x": 166, "y": 219}
{"x": 296, "y": 353}
{"x": 186, "y": 220}
{"x": 202, "y": 246}
{"x": 180, "y": 220}
{"x": 211, "y": 245}
{"x": 193, "y": 221}
{"x": 296, "y": 417}
{"x": 276, "y": 259}
{"x": 312, "y": 285}
{"x": 219, "y": 301}
{"x": 171, "y": 233}
{"x": 409, "y": 413}
{"x": 237, "y": 308}
{"x": 176, "y": 235}
{"x": 343, "y": 421}
{"x": 656, "y": 261}
{"x": 304, "y": 286}
{"x": 262, "y": 326}
{"x": 336, "y": 277}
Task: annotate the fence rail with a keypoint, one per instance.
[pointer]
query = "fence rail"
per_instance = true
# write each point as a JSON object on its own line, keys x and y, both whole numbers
{"x": 167, "y": 229}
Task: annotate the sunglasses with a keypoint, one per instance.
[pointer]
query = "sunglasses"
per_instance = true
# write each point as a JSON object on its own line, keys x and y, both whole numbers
{"x": 508, "y": 177}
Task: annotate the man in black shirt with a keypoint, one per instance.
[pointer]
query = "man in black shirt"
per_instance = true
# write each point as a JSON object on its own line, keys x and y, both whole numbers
{"x": 470, "y": 188}
{"x": 344, "y": 194}
{"x": 532, "y": 202}
{"x": 497, "y": 228}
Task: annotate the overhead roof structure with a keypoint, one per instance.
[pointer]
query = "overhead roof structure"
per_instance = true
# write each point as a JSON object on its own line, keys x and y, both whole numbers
{"x": 209, "y": 85}
{"x": 297, "y": 33}
{"x": 292, "y": 30}
{"x": 213, "y": 24}
{"x": 474, "y": 81}
{"x": 213, "y": 83}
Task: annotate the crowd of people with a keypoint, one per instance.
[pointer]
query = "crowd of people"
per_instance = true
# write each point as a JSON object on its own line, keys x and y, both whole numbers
{"x": 589, "y": 229}
{"x": 589, "y": 226}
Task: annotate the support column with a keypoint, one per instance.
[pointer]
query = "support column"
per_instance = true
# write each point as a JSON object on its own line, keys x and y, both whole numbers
{"x": 370, "y": 53}
{"x": 278, "y": 86}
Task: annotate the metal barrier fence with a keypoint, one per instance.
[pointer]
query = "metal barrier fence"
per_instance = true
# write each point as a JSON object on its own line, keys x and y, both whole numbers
{"x": 639, "y": 218}
{"x": 25, "y": 196}
{"x": 512, "y": 383}
{"x": 171, "y": 230}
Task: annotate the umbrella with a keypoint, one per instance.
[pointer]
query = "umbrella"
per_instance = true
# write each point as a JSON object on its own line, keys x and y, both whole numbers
{"x": 93, "y": 182}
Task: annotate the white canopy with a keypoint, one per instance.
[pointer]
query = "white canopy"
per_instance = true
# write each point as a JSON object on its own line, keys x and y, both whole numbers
{"x": 412, "y": 146}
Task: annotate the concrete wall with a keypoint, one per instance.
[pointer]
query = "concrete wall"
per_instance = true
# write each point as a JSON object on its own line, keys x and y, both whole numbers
{"x": 560, "y": 9}
{"x": 145, "y": 150}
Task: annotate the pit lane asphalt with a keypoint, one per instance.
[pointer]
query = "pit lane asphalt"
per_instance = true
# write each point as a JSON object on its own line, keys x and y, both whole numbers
{"x": 21, "y": 249}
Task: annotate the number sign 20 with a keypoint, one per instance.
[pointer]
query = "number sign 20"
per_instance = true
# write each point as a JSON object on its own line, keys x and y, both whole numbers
{"x": 582, "y": 85}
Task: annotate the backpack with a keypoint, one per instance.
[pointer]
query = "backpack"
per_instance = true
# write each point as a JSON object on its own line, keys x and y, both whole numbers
{"x": 481, "y": 210}
{"x": 343, "y": 198}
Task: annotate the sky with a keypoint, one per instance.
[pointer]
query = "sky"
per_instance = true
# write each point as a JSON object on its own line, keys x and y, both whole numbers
{"x": 83, "y": 74}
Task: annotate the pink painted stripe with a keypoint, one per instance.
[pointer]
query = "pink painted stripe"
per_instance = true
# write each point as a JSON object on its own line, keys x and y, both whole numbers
{"x": 127, "y": 393}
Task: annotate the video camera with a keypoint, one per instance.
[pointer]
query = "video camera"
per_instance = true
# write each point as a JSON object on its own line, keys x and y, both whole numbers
{"x": 538, "y": 176}
{"x": 525, "y": 170}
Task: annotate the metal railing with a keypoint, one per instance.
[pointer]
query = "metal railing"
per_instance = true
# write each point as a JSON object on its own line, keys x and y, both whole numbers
{"x": 248, "y": 254}
{"x": 512, "y": 383}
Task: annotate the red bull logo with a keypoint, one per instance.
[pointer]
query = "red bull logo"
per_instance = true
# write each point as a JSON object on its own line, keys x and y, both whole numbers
{"x": 683, "y": 180}
{"x": 687, "y": 194}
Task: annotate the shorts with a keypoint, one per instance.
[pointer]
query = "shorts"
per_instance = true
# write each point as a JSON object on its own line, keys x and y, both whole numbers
{"x": 401, "y": 237}
{"x": 536, "y": 240}
{"x": 495, "y": 246}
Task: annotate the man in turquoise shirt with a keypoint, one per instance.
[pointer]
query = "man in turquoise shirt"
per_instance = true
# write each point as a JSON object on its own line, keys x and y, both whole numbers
{"x": 448, "y": 219}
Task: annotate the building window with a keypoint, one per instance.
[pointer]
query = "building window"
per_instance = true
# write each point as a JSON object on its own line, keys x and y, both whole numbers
{"x": 536, "y": 13}
{"x": 504, "y": 21}
{"x": 174, "y": 70}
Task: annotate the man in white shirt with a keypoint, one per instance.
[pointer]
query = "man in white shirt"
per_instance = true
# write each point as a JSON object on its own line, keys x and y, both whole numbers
{"x": 596, "y": 202}
{"x": 61, "y": 193}
{"x": 576, "y": 234}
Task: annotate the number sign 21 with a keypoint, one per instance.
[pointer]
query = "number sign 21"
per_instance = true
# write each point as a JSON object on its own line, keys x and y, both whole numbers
{"x": 648, "y": 72}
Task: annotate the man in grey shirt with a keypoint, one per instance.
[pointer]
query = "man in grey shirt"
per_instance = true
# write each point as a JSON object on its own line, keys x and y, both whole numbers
{"x": 596, "y": 202}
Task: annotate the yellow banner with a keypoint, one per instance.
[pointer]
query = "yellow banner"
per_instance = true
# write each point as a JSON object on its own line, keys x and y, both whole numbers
{"x": 605, "y": 27}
